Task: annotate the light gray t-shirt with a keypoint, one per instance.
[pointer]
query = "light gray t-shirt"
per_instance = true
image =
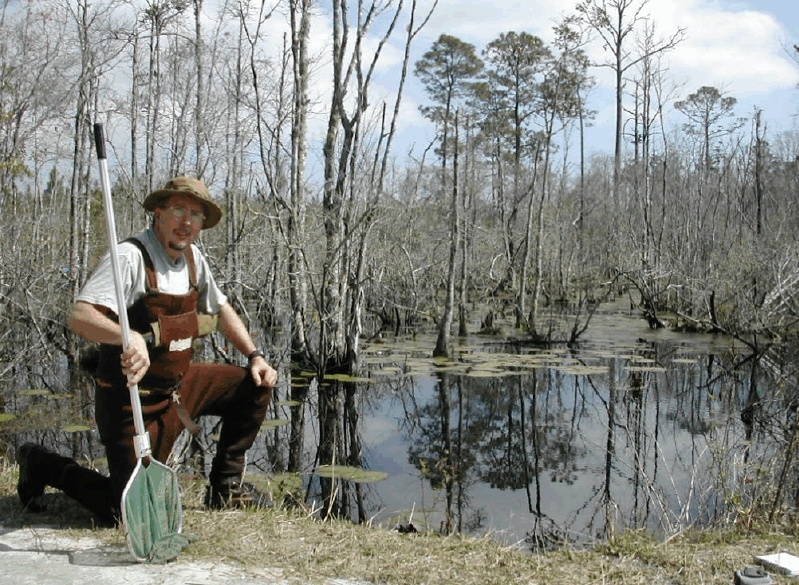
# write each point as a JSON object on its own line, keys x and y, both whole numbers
{"x": 173, "y": 277}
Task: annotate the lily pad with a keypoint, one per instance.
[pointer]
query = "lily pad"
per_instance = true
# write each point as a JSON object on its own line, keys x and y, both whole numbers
{"x": 289, "y": 403}
{"x": 387, "y": 371}
{"x": 582, "y": 370}
{"x": 76, "y": 428}
{"x": 477, "y": 373}
{"x": 346, "y": 378}
{"x": 349, "y": 473}
{"x": 274, "y": 423}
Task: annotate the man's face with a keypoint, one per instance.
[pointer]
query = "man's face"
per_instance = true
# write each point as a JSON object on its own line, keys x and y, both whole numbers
{"x": 178, "y": 222}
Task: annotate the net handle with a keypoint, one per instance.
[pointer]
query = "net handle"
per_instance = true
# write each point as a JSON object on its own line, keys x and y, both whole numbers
{"x": 141, "y": 442}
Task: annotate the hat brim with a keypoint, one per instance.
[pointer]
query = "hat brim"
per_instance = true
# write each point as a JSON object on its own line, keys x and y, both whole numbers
{"x": 212, "y": 211}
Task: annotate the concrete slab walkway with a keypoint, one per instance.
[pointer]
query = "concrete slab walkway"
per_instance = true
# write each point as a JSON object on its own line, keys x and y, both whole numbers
{"x": 46, "y": 556}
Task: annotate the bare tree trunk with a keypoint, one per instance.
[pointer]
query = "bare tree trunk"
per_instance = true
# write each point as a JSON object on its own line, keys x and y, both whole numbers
{"x": 539, "y": 232}
{"x": 442, "y": 341}
{"x": 298, "y": 285}
{"x": 330, "y": 301}
{"x": 159, "y": 16}
{"x": 468, "y": 222}
{"x": 135, "y": 90}
{"x": 80, "y": 164}
{"x": 199, "y": 110}
{"x": 233, "y": 184}
{"x": 153, "y": 92}
{"x": 521, "y": 302}
{"x": 759, "y": 156}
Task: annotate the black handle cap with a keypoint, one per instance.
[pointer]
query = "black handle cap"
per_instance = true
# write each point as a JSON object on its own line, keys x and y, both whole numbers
{"x": 99, "y": 140}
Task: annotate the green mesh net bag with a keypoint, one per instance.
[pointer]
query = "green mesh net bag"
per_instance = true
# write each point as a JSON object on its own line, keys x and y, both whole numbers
{"x": 152, "y": 513}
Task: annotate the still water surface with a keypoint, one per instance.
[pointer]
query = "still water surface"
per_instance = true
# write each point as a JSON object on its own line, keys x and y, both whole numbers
{"x": 634, "y": 428}
{"x": 536, "y": 446}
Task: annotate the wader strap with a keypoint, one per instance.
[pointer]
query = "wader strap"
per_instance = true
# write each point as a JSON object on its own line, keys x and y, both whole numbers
{"x": 183, "y": 415}
{"x": 180, "y": 409}
{"x": 149, "y": 267}
{"x": 149, "y": 270}
{"x": 174, "y": 394}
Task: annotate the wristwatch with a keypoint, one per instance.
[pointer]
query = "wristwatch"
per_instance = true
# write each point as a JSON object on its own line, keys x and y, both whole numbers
{"x": 255, "y": 354}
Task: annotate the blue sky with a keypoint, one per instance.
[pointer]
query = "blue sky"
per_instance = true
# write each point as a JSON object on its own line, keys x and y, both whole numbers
{"x": 741, "y": 47}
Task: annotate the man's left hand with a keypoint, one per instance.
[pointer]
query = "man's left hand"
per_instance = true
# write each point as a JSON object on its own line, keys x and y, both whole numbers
{"x": 262, "y": 373}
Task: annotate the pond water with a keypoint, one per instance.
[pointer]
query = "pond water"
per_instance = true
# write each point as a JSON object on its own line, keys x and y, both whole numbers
{"x": 537, "y": 447}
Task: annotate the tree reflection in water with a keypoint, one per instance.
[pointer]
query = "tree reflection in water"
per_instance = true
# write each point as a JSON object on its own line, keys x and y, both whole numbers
{"x": 535, "y": 446}
{"x": 558, "y": 446}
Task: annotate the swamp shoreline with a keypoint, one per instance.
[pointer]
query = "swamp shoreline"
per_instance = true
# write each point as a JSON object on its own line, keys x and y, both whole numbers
{"x": 299, "y": 548}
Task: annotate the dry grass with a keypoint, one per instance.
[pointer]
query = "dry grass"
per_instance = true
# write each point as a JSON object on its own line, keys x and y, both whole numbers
{"x": 299, "y": 548}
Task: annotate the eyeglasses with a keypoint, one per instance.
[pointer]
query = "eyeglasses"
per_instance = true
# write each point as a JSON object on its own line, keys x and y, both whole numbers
{"x": 180, "y": 212}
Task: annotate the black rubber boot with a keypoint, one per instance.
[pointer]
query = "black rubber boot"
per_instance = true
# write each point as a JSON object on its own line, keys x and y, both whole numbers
{"x": 236, "y": 494}
{"x": 39, "y": 468}
{"x": 33, "y": 475}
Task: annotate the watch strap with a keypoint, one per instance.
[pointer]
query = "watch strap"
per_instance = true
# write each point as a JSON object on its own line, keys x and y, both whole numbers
{"x": 255, "y": 354}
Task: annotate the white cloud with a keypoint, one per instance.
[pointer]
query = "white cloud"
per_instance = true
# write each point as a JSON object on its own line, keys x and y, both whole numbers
{"x": 480, "y": 22}
{"x": 740, "y": 51}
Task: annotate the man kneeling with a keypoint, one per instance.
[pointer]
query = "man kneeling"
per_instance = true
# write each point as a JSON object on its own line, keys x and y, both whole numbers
{"x": 169, "y": 290}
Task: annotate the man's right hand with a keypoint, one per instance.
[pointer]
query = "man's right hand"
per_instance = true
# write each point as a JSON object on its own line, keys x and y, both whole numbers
{"x": 93, "y": 324}
{"x": 135, "y": 359}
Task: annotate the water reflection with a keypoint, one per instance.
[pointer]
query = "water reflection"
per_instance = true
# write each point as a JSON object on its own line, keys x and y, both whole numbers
{"x": 556, "y": 446}
{"x": 534, "y": 446}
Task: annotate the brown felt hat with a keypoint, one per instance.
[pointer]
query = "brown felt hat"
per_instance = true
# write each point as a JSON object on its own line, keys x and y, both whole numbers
{"x": 192, "y": 187}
